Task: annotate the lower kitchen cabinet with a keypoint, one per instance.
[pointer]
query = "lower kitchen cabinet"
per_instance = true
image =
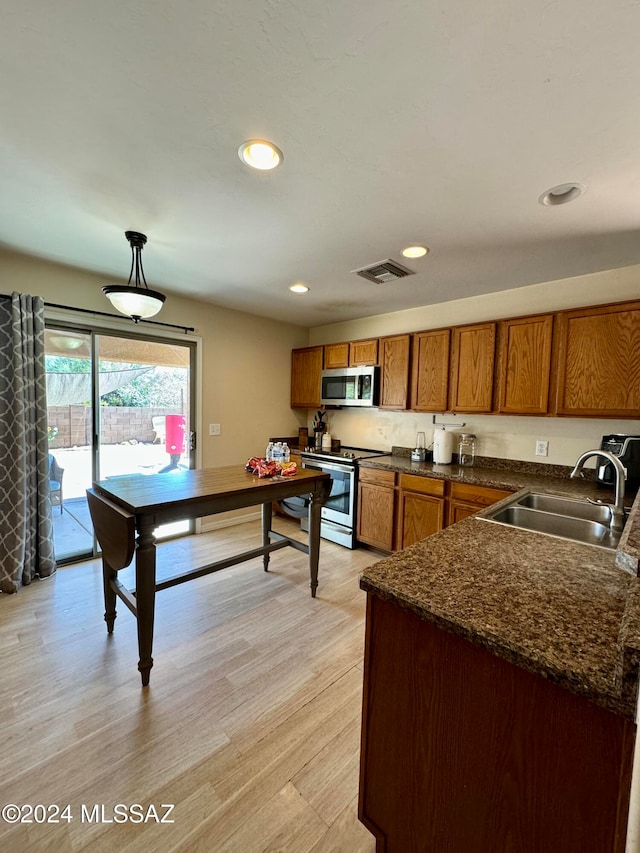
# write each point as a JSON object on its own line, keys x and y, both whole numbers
{"x": 465, "y": 752}
{"x": 421, "y": 509}
{"x": 466, "y": 500}
{"x": 393, "y": 518}
{"x": 376, "y": 508}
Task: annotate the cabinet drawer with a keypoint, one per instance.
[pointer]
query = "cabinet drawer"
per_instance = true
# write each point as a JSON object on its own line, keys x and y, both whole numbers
{"x": 477, "y": 494}
{"x": 378, "y": 477}
{"x": 424, "y": 485}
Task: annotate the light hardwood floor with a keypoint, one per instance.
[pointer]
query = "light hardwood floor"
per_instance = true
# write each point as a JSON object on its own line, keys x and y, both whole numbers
{"x": 250, "y": 726}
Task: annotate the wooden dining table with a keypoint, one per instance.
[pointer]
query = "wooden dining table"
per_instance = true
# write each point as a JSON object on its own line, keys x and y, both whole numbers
{"x": 126, "y": 510}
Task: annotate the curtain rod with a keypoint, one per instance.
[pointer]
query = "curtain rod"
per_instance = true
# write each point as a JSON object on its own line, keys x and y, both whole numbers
{"x": 113, "y": 316}
{"x": 118, "y": 316}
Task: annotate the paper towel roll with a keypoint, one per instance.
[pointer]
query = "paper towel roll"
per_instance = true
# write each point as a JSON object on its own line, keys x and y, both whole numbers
{"x": 442, "y": 447}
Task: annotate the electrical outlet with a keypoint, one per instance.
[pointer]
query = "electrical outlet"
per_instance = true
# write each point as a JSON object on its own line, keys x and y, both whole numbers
{"x": 542, "y": 448}
{"x": 214, "y": 429}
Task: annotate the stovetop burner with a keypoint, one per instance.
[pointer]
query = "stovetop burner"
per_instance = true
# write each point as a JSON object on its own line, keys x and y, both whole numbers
{"x": 348, "y": 454}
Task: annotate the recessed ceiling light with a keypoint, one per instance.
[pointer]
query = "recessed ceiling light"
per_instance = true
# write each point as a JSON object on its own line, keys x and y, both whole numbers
{"x": 260, "y": 154}
{"x": 562, "y": 194}
{"x": 415, "y": 251}
{"x": 299, "y": 287}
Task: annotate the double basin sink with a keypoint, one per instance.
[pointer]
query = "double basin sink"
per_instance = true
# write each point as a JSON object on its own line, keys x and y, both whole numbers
{"x": 555, "y": 515}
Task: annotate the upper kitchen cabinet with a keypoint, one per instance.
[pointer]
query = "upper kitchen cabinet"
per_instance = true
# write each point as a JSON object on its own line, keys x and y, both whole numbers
{"x": 524, "y": 359}
{"x": 472, "y": 362}
{"x": 599, "y": 361}
{"x": 395, "y": 351}
{"x": 336, "y": 355}
{"x": 363, "y": 353}
{"x": 306, "y": 367}
{"x": 430, "y": 371}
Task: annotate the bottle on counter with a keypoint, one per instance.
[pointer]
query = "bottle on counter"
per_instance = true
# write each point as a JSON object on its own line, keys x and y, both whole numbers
{"x": 286, "y": 453}
{"x": 269, "y": 452}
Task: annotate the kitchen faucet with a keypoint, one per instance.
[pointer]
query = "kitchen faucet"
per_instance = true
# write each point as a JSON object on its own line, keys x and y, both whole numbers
{"x": 617, "y": 509}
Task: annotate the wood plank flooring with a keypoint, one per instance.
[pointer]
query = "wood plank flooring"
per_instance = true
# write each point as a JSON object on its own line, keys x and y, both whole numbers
{"x": 250, "y": 726}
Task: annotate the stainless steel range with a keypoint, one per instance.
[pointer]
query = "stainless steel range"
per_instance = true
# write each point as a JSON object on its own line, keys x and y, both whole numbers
{"x": 339, "y": 522}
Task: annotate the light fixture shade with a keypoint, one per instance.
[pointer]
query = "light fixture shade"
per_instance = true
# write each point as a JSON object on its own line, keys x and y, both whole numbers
{"x": 136, "y": 300}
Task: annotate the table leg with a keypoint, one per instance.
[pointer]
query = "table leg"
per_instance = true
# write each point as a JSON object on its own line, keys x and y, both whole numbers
{"x": 108, "y": 574}
{"x": 145, "y": 594}
{"x": 267, "y": 513}
{"x": 315, "y": 506}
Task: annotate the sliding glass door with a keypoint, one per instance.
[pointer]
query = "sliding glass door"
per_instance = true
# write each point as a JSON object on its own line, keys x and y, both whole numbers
{"x": 118, "y": 405}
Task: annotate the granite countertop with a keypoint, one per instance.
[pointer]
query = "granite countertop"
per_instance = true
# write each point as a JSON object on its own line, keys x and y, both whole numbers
{"x": 560, "y": 609}
{"x": 500, "y": 474}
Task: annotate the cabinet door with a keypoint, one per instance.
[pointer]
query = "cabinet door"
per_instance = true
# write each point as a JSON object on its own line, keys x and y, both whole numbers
{"x": 466, "y": 500}
{"x": 472, "y": 360}
{"x": 525, "y": 365}
{"x": 306, "y": 366}
{"x": 376, "y": 505}
{"x": 363, "y": 353}
{"x": 460, "y": 509}
{"x": 394, "y": 357}
{"x": 599, "y": 361}
{"x": 419, "y": 516}
{"x": 430, "y": 371}
{"x": 336, "y": 355}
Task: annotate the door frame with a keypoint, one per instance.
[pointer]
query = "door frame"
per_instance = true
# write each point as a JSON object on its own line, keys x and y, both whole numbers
{"x": 68, "y": 320}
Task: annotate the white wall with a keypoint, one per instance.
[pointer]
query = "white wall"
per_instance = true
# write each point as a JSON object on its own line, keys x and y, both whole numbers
{"x": 504, "y": 437}
{"x": 246, "y": 360}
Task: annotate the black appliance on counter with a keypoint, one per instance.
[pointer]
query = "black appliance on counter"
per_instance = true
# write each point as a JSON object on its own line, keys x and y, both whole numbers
{"x": 627, "y": 449}
{"x": 338, "y": 516}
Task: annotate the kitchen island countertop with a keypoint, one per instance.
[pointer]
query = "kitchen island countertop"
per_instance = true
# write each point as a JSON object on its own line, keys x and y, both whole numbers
{"x": 559, "y": 609}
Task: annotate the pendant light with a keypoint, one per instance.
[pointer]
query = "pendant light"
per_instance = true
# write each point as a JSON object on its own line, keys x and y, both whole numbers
{"x": 137, "y": 300}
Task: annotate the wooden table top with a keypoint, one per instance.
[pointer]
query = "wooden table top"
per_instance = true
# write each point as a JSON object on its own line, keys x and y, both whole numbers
{"x": 141, "y": 493}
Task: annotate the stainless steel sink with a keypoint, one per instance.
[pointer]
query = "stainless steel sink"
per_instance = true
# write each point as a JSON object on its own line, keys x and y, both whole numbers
{"x": 567, "y": 506}
{"x": 554, "y": 515}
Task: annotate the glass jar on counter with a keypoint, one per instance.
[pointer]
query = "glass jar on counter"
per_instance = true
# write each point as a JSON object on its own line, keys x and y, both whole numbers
{"x": 466, "y": 449}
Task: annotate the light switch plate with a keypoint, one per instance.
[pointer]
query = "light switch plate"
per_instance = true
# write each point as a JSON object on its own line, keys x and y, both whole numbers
{"x": 214, "y": 429}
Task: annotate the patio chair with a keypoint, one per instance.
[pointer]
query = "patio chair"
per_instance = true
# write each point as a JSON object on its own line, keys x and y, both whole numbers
{"x": 160, "y": 429}
{"x": 55, "y": 482}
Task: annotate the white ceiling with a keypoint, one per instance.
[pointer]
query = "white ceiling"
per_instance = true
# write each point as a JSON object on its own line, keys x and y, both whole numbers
{"x": 401, "y": 121}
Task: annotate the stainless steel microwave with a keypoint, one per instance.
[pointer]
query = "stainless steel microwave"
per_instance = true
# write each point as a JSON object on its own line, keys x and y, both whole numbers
{"x": 350, "y": 386}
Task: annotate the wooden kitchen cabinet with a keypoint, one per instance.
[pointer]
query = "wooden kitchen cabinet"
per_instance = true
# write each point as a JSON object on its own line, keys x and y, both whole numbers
{"x": 465, "y": 500}
{"x": 464, "y": 751}
{"x": 430, "y": 371}
{"x": 524, "y": 365}
{"x": 395, "y": 352}
{"x": 599, "y": 361}
{"x": 421, "y": 509}
{"x": 472, "y": 363}
{"x": 306, "y": 367}
{"x": 376, "y": 508}
{"x": 363, "y": 353}
{"x": 336, "y": 355}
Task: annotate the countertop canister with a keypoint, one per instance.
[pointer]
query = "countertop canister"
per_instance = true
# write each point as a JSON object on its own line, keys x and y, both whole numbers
{"x": 466, "y": 449}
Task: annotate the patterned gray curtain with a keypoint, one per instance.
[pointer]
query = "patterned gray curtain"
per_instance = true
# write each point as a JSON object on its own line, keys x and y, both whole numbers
{"x": 26, "y": 528}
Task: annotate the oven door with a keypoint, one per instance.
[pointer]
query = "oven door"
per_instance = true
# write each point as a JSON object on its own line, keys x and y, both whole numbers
{"x": 340, "y": 503}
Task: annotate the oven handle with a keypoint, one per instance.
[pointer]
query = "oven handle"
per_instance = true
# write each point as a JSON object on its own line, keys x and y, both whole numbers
{"x": 328, "y": 466}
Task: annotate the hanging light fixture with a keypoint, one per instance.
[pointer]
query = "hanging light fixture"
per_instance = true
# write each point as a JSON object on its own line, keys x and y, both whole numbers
{"x": 137, "y": 300}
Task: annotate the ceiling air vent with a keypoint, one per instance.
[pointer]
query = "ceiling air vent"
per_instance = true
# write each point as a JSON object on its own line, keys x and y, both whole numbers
{"x": 384, "y": 271}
